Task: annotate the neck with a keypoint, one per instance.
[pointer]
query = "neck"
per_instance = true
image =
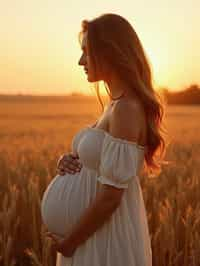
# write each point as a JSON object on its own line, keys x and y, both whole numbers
{"x": 119, "y": 89}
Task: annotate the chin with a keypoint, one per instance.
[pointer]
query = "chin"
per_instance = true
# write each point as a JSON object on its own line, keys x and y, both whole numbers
{"x": 92, "y": 79}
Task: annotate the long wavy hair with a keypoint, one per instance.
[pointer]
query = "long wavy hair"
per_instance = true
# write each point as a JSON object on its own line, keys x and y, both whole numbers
{"x": 114, "y": 44}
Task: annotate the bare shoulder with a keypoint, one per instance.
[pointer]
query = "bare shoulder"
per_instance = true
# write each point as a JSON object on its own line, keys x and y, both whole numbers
{"x": 127, "y": 120}
{"x": 124, "y": 106}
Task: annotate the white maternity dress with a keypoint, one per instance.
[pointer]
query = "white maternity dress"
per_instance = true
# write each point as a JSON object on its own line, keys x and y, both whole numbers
{"x": 123, "y": 240}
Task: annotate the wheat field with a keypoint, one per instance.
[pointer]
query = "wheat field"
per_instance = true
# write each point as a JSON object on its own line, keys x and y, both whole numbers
{"x": 34, "y": 132}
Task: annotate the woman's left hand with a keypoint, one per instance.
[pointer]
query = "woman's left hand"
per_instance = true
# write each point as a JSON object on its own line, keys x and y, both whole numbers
{"x": 59, "y": 244}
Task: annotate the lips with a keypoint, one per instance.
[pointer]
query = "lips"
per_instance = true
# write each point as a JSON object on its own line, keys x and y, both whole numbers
{"x": 86, "y": 70}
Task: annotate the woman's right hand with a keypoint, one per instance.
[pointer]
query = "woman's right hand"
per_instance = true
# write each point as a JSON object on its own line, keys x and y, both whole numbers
{"x": 68, "y": 163}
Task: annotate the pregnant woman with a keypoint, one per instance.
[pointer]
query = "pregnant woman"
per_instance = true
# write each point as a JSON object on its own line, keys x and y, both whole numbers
{"x": 94, "y": 208}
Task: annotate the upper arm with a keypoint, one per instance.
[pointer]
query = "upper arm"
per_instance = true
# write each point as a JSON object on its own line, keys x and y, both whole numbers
{"x": 126, "y": 123}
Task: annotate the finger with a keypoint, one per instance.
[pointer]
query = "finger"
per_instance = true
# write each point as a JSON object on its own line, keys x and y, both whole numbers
{"x": 73, "y": 164}
{"x": 62, "y": 158}
{"x": 74, "y": 155}
{"x": 66, "y": 170}
{"x": 61, "y": 171}
{"x": 69, "y": 158}
{"x": 77, "y": 163}
{"x": 64, "y": 163}
{"x": 52, "y": 237}
{"x": 69, "y": 167}
{"x": 69, "y": 171}
{"x": 47, "y": 234}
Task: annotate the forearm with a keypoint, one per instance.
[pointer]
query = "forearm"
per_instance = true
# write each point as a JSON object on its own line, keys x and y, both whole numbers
{"x": 93, "y": 218}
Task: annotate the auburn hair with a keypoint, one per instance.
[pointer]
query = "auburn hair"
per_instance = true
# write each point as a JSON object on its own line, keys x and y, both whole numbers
{"x": 113, "y": 43}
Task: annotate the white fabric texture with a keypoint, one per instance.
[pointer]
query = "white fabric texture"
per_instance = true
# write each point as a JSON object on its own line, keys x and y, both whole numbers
{"x": 119, "y": 161}
{"x": 122, "y": 240}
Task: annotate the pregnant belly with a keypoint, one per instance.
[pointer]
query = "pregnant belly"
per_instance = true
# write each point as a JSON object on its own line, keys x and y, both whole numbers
{"x": 65, "y": 199}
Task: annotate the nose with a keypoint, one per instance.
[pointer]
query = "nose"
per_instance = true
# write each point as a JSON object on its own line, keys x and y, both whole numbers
{"x": 82, "y": 61}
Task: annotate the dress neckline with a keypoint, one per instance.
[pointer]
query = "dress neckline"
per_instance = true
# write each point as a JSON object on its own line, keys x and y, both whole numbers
{"x": 90, "y": 127}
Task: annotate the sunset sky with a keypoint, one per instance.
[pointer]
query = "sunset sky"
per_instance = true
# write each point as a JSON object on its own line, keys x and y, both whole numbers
{"x": 39, "y": 46}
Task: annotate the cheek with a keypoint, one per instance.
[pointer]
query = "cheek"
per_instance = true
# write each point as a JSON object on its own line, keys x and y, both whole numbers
{"x": 88, "y": 60}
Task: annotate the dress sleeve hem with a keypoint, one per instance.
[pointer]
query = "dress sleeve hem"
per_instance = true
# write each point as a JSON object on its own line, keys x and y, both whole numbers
{"x": 104, "y": 180}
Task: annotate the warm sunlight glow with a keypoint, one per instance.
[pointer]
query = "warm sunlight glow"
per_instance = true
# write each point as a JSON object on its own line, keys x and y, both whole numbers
{"x": 39, "y": 46}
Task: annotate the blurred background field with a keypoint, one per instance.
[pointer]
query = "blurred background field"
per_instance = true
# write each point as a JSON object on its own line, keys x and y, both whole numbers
{"x": 35, "y": 131}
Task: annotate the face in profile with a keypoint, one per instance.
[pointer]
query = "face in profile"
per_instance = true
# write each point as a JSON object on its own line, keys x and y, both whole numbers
{"x": 85, "y": 60}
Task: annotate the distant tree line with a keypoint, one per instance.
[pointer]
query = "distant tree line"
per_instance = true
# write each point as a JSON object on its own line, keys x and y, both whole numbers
{"x": 190, "y": 95}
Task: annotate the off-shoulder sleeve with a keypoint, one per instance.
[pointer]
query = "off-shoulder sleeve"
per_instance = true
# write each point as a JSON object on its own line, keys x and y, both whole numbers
{"x": 118, "y": 162}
